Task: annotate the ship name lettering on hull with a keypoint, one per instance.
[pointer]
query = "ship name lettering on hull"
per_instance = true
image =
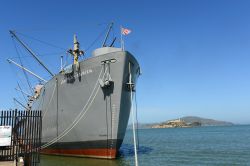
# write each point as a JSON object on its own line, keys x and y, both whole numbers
{"x": 85, "y": 72}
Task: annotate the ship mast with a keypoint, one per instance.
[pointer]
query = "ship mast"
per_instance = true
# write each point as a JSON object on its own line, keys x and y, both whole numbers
{"x": 76, "y": 52}
{"x": 107, "y": 35}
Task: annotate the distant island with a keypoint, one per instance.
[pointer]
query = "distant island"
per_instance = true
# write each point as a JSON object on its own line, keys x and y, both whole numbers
{"x": 184, "y": 122}
{"x": 177, "y": 123}
{"x": 191, "y": 121}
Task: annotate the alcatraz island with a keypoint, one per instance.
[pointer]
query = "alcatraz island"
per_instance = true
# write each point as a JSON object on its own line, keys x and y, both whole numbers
{"x": 176, "y": 123}
{"x": 184, "y": 122}
{"x": 190, "y": 121}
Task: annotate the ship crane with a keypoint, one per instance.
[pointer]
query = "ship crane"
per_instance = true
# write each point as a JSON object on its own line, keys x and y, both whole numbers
{"x": 31, "y": 52}
{"x": 27, "y": 70}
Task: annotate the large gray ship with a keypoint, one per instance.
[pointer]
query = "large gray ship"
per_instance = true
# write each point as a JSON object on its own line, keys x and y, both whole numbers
{"x": 86, "y": 106}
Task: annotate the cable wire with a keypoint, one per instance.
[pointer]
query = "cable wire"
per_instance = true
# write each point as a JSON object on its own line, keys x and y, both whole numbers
{"x": 136, "y": 113}
{"x": 22, "y": 92}
{"x": 41, "y": 41}
{"x": 98, "y": 37}
{"x": 24, "y": 72}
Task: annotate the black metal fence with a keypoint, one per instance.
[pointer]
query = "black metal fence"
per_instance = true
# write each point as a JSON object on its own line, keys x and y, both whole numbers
{"x": 25, "y": 136}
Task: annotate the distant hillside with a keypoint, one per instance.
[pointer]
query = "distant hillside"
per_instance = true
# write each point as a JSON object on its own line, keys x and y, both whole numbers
{"x": 205, "y": 122}
{"x": 187, "y": 120}
{"x": 142, "y": 125}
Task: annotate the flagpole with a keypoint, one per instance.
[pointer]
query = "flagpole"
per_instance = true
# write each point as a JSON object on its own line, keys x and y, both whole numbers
{"x": 124, "y": 32}
{"x": 122, "y": 44}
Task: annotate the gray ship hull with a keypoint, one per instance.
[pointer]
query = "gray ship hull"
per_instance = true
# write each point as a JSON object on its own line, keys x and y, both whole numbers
{"x": 81, "y": 115}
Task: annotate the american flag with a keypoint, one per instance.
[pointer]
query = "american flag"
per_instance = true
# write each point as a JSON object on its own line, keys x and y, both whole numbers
{"x": 126, "y": 31}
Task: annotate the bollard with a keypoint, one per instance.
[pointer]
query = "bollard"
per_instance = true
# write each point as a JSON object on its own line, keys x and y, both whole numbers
{"x": 20, "y": 161}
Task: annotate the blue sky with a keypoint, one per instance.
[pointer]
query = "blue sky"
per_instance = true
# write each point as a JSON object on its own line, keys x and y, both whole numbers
{"x": 194, "y": 55}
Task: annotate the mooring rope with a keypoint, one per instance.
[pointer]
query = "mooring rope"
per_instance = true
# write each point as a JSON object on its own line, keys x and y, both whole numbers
{"x": 133, "y": 116}
{"x": 137, "y": 123}
{"x": 49, "y": 101}
{"x": 80, "y": 115}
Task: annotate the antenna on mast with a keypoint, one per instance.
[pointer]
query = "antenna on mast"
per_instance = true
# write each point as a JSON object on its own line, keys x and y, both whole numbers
{"x": 31, "y": 52}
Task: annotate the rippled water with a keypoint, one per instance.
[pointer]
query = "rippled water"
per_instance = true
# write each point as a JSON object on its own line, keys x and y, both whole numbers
{"x": 178, "y": 146}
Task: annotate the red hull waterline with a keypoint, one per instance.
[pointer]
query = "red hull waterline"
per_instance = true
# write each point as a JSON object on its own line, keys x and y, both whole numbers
{"x": 93, "y": 153}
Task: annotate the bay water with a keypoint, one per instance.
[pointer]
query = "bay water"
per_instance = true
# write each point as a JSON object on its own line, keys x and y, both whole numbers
{"x": 215, "y": 146}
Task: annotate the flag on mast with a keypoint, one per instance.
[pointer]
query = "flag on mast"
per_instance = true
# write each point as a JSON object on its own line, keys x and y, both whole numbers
{"x": 126, "y": 31}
